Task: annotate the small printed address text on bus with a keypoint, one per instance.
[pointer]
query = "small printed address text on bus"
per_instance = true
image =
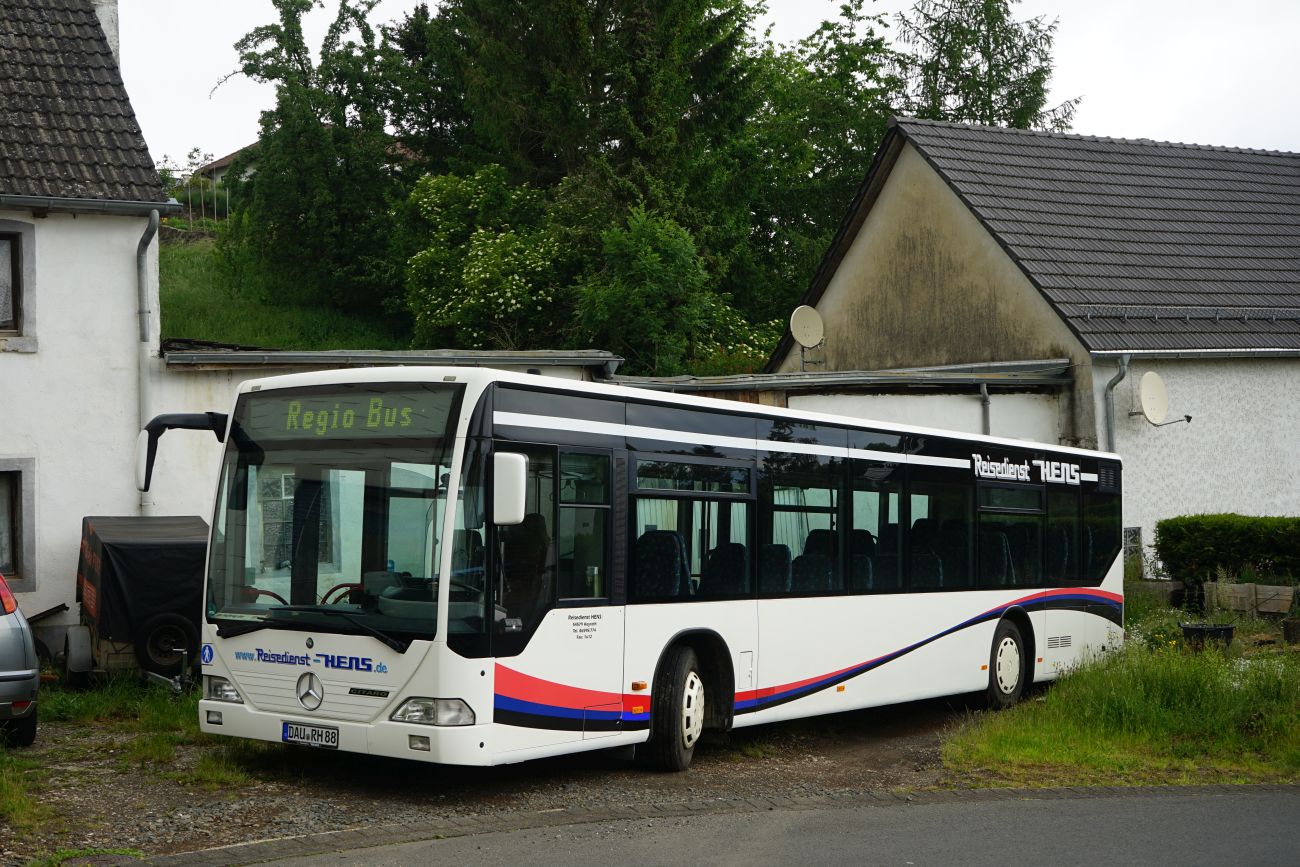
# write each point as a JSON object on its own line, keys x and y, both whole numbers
{"x": 584, "y": 625}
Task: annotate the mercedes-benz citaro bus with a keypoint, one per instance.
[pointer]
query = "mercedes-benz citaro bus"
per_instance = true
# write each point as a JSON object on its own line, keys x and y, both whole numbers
{"x": 474, "y": 567}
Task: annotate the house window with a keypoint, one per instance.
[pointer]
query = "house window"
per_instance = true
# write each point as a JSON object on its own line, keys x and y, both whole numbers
{"x": 10, "y": 285}
{"x": 17, "y": 527}
{"x": 10, "y": 524}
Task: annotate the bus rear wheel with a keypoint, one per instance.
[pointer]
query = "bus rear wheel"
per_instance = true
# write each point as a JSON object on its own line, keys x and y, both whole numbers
{"x": 1007, "y": 666}
{"x": 677, "y": 713}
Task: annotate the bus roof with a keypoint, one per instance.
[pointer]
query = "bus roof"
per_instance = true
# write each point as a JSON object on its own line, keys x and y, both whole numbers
{"x": 481, "y": 377}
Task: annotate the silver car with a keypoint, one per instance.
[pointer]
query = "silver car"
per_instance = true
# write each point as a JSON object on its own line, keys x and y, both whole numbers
{"x": 19, "y": 673}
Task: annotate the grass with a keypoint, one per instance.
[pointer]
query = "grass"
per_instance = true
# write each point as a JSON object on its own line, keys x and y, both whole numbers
{"x": 64, "y": 855}
{"x": 198, "y": 303}
{"x": 220, "y": 768}
{"x": 126, "y": 701}
{"x": 1156, "y": 712}
{"x": 18, "y": 809}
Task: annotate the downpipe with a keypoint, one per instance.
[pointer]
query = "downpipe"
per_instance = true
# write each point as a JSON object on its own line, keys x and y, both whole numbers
{"x": 1110, "y": 400}
{"x": 144, "y": 397}
{"x": 986, "y": 409}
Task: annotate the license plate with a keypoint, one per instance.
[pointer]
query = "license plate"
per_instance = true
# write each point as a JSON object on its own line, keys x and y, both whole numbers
{"x": 310, "y": 735}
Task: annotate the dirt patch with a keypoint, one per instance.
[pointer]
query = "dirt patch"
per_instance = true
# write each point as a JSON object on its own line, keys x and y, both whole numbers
{"x": 218, "y": 792}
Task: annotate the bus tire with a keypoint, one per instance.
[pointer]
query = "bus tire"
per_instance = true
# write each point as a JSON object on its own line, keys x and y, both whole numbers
{"x": 677, "y": 713}
{"x": 1007, "y": 666}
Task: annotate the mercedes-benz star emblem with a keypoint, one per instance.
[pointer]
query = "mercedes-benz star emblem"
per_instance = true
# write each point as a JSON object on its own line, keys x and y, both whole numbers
{"x": 310, "y": 644}
{"x": 309, "y": 691}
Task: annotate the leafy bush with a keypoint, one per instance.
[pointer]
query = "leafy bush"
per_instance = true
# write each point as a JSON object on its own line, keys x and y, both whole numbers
{"x": 1193, "y": 547}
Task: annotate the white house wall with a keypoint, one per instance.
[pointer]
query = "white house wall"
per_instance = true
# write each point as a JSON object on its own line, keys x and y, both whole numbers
{"x": 70, "y": 399}
{"x": 1239, "y": 454}
{"x": 1034, "y": 417}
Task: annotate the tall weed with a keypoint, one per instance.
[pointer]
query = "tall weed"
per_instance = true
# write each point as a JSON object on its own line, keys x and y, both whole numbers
{"x": 1145, "y": 714}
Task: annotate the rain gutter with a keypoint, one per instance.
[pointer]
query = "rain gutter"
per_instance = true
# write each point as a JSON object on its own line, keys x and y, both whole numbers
{"x": 144, "y": 401}
{"x": 70, "y": 205}
{"x": 1110, "y": 401}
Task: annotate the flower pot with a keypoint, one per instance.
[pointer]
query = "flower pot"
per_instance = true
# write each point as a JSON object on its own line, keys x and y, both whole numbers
{"x": 1197, "y": 635}
{"x": 1291, "y": 630}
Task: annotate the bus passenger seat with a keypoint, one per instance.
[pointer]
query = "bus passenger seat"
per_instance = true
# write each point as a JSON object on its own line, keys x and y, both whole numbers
{"x": 862, "y": 574}
{"x": 861, "y": 543}
{"x": 822, "y": 543}
{"x": 774, "y": 568}
{"x": 726, "y": 571}
{"x": 927, "y": 569}
{"x": 659, "y": 565}
{"x": 811, "y": 573}
{"x": 1058, "y": 555}
{"x": 995, "y": 559}
{"x": 886, "y": 572}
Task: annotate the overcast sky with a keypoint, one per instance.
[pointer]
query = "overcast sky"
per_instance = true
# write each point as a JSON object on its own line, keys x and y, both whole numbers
{"x": 1171, "y": 70}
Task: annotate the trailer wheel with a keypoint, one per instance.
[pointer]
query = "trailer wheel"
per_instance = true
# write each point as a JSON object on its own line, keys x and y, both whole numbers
{"x": 77, "y": 658}
{"x": 677, "y": 713}
{"x": 160, "y": 643}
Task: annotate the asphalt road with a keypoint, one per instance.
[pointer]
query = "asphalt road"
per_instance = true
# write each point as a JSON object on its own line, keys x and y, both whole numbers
{"x": 1236, "y": 828}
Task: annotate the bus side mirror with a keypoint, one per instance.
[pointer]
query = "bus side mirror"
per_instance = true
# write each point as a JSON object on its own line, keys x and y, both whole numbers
{"x": 146, "y": 444}
{"x": 509, "y": 488}
{"x": 146, "y": 449}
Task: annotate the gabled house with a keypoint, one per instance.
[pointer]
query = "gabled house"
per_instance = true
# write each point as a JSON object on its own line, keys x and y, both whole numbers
{"x": 980, "y": 245}
{"x": 79, "y": 205}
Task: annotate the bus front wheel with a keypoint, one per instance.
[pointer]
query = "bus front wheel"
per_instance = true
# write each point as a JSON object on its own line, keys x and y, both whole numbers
{"x": 1006, "y": 666}
{"x": 677, "y": 713}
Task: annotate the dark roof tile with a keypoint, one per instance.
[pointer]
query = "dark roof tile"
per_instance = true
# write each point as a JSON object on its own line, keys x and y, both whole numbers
{"x": 67, "y": 129}
{"x": 1140, "y": 245}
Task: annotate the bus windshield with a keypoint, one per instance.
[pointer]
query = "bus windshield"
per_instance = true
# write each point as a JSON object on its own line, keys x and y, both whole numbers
{"x": 330, "y": 510}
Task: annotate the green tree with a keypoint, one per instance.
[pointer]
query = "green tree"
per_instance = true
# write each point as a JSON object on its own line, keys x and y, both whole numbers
{"x": 316, "y": 209}
{"x": 827, "y": 102}
{"x": 971, "y": 61}
{"x": 423, "y": 86}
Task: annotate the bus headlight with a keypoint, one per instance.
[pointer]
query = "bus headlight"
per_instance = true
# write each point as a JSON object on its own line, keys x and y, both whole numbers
{"x": 434, "y": 712}
{"x": 220, "y": 689}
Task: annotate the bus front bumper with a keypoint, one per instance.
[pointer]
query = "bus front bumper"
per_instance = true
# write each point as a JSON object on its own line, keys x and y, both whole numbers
{"x": 451, "y": 745}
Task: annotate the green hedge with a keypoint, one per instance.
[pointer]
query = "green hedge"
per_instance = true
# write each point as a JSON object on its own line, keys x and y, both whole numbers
{"x": 1192, "y": 547}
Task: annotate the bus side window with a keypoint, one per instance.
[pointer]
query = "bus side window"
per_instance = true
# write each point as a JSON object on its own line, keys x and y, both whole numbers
{"x": 874, "y": 538}
{"x": 1011, "y": 535}
{"x": 527, "y": 557}
{"x": 1102, "y": 535}
{"x": 939, "y": 540}
{"x": 582, "y": 542}
{"x": 1062, "y": 561}
{"x": 692, "y": 532}
{"x": 801, "y": 500}
{"x": 660, "y": 570}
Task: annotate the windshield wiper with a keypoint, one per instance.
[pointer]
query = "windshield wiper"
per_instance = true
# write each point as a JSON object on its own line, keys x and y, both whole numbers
{"x": 230, "y": 630}
{"x": 395, "y": 643}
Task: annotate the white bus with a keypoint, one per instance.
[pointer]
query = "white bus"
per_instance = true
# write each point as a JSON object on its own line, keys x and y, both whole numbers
{"x": 473, "y": 567}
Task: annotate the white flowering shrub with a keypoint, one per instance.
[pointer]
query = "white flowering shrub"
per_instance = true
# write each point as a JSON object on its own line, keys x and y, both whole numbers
{"x": 486, "y": 278}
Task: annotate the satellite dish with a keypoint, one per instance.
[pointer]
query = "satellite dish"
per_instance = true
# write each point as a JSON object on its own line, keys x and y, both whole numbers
{"x": 806, "y": 326}
{"x": 1153, "y": 397}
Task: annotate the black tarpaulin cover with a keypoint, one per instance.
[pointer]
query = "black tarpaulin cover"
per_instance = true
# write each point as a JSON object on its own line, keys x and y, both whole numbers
{"x": 133, "y": 568}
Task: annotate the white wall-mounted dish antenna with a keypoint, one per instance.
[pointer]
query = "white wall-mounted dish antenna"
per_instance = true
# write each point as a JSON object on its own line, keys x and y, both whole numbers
{"x": 806, "y": 327}
{"x": 808, "y": 331}
{"x": 1153, "y": 397}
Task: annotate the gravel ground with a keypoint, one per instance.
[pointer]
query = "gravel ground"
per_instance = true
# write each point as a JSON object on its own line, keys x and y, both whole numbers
{"x": 103, "y": 800}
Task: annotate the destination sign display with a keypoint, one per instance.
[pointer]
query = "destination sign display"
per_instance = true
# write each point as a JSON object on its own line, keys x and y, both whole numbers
{"x": 348, "y": 413}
